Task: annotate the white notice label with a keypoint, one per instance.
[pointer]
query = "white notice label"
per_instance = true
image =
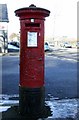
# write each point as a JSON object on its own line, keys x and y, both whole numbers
{"x": 32, "y": 39}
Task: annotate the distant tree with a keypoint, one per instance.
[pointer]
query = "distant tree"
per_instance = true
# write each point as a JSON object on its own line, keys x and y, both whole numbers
{"x": 14, "y": 35}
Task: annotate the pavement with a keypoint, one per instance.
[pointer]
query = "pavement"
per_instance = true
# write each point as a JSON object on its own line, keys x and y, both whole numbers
{"x": 64, "y": 52}
{"x": 58, "y": 51}
{"x": 60, "y": 109}
{"x": 53, "y": 52}
{"x": 9, "y": 54}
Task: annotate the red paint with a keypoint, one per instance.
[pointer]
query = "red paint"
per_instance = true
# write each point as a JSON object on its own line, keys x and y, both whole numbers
{"x": 32, "y": 58}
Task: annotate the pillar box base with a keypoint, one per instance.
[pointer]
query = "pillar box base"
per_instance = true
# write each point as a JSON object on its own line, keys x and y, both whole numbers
{"x": 13, "y": 114}
{"x": 31, "y": 100}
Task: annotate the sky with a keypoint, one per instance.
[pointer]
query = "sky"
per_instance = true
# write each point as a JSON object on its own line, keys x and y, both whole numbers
{"x": 61, "y": 22}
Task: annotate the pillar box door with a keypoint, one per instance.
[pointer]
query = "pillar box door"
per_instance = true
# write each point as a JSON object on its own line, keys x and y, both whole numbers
{"x": 31, "y": 52}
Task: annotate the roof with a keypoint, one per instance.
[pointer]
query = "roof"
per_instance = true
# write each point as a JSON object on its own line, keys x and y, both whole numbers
{"x": 3, "y": 13}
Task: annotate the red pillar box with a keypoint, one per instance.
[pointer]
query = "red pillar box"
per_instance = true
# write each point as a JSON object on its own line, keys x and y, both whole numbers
{"x": 31, "y": 58}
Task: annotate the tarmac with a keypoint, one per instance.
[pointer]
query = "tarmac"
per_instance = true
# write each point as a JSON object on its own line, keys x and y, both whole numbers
{"x": 67, "y": 109}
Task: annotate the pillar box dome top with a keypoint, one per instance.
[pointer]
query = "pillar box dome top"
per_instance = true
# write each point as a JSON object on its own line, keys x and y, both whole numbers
{"x": 32, "y": 12}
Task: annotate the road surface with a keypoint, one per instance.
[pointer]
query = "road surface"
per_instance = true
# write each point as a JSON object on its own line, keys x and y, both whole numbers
{"x": 60, "y": 75}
